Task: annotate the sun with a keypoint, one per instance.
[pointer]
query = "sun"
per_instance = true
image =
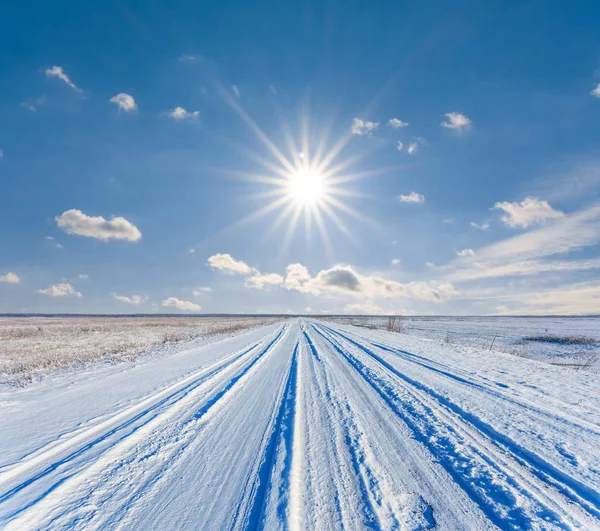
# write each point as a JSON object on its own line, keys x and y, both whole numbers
{"x": 307, "y": 187}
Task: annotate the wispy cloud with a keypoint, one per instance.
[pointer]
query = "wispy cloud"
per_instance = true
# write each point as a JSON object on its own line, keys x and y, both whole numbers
{"x": 363, "y": 308}
{"x": 201, "y": 291}
{"x": 596, "y": 91}
{"x": 396, "y": 261}
{"x": 179, "y": 113}
{"x": 414, "y": 145}
{"x": 399, "y": 145}
{"x": 465, "y": 252}
{"x": 259, "y": 281}
{"x": 187, "y": 306}
{"x": 10, "y": 278}
{"x": 528, "y": 212}
{"x": 396, "y": 123}
{"x": 186, "y": 58}
{"x": 413, "y": 197}
{"x": 457, "y": 121}
{"x": 362, "y": 127}
{"x": 125, "y": 102}
{"x": 448, "y": 221}
{"x": 58, "y": 72}
{"x": 64, "y": 289}
{"x": 236, "y": 90}
{"x": 133, "y": 299}
{"x": 33, "y": 105}
{"x": 117, "y": 228}
{"x": 480, "y": 226}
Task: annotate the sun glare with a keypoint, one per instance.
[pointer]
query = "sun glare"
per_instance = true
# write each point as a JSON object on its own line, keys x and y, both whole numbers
{"x": 307, "y": 187}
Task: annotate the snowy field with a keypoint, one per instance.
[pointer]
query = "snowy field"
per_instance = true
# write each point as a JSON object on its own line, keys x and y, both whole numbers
{"x": 569, "y": 341}
{"x": 305, "y": 424}
{"x": 31, "y": 347}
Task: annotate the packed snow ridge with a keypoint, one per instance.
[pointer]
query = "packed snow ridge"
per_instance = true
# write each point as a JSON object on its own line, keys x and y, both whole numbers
{"x": 305, "y": 424}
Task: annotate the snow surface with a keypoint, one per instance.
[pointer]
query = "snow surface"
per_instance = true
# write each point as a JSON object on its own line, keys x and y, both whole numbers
{"x": 305, "y": 425}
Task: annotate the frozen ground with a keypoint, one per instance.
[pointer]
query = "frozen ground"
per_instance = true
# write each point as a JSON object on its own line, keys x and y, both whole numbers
{"x": 305, "y": 425}
{"x": 569, "y": 341}
{"x": 31, "y": 347}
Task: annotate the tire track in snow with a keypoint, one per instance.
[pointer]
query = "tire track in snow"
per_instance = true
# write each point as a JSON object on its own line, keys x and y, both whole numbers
{"x": 446, "y": 441}
{"x": 469, "y": 381}
{"x": 251, "y": 513}
{"x": 156, "y": 406}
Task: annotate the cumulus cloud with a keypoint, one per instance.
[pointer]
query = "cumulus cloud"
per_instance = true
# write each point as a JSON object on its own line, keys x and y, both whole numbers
{"x": 173, "y": 302}
{"x": 396, "y": 261}
{"x": 397, "y": 124}
{"x": 456, "y": 121}
{"x": 10, "y": 278}
{"x": 528, "y": 212}
{"x": 125, "y": 102}
{"x": 64, "y": 289}
{"x": 596, "y": 91}
{"x": 480, "y": 226}
{"x": 179, "y": 113}
{"x": 134, "y": 299}
{"x": 413, "y": 197}
{"x": 362, "y": 127}
{"x": 260, "y": 281}
{"x": 76, "y": 222}
{"x": 399, "y": 145}
{"x": 340, "y": 279}
{"x": 363, "y": 308}
{"x": 465, "y": 252}
{"x": 58, "y": 72}
{"x": 226, "y": 263}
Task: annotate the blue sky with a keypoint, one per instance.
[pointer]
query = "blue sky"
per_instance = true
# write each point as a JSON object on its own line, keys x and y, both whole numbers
{"x": 141, "y": 143}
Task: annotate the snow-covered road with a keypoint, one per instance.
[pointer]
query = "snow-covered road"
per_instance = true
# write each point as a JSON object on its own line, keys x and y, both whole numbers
{"x": 306, "y": 425}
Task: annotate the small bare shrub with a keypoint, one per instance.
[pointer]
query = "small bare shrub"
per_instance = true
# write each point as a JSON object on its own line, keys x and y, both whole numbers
{"x": 448, "y": 339}
{"x": 395, "y": 324}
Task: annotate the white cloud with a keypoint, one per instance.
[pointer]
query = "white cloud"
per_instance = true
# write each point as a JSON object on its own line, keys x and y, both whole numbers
{"x": 465, "y": 252}
{"x": 83, "y": 276}
{"x": 76, "y": 222}
{"x": 259, "y": 281}
{"x": 338, "y": 280}
{"x": 528, "y": 212}
{"x": 397, "y": 124}
{"x": 363, "y": 308}
{"x": 456, "y": 121}
{"x": 414, "y": 145}
{"x": 50, "y": 238}
{"x": 10, "y": 278}
{"x": 236, "y": 90}
{"x": 124, "y": 101}
{"x": 362, "y": 127}
{"x": 186, "y": 58}
{"x": 413, "y": 197}
{"x": 596, "y": 91}
{"x": 396, "y": 261}
{"x": 179, "y": 113}
{"x": 523, "y": 254}
{"x": 173, "y": 302}
{"x": 134, "y": 299}
{"x": 399, "y": 145}
{"x": 226, "y": 263}
{"x": 448, "y": 221}
{"x": 502, "y": 309}
{"x": 199, "y": 291}
{"x": 308, "y": 309}
{"x": 1, "y": 153}
{"x": 57, "y": 71}
{"x": 480, "y": 226}
{"x": 64, "y": 289}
